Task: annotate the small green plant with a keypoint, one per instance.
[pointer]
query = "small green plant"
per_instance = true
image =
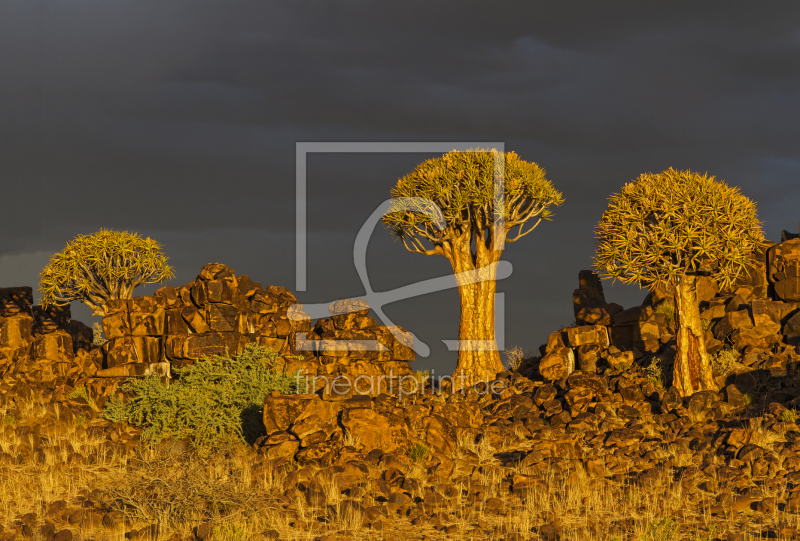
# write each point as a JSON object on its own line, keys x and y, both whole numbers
{"x": 230, "y": 532}
{"x": 212, "y": 401}
{"x": 712, "y": 533}
{"x": 621, "y": 367}
{"x": 664, "y": 529}
{"x": 80, "y": 392}
{"x": 423, "y": 378}
{"x": 789, "y": 416}
{"x": 667, "y": 307}
{"x": 81, "y": 420}
{"x": 10, "y": 420}
{"x": 418, "y": 452}
{"x": 747, "y": 399}
{"x": 707, "y": 324}
{"x": 655, "y": 373}
{"x": 98, "y": 335}
{"x": 724, "y": 360}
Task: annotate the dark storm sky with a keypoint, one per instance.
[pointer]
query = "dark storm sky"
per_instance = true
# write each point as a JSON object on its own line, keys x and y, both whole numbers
{"x": 179, "y": 120}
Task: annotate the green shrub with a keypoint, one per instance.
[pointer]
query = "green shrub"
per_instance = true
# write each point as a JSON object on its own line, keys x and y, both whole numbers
{"x": 724, "y": 360}
{"x": 80, "y": 392}
{"x": 214, "y": 400}
{"x": 655, "y": 373}
{"x": 98, "y": 335}
{"x": 789, "y": 416}
{"x": 418, "y": 452}
{"x": 664, "y": 529}
{"x": 667, "y": 307}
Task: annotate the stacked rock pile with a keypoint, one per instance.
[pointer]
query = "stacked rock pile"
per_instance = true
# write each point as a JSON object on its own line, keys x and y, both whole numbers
{"x": 758, "y": 320}
{"x": 43, "y": 343}
{"x": 219, "y": 312}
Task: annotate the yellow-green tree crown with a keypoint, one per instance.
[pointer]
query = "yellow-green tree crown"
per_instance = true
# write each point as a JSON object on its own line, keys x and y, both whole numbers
{"x": 100, "y": 267}
{"x": 462, "y": 184}
{"x": 663, "y": 226}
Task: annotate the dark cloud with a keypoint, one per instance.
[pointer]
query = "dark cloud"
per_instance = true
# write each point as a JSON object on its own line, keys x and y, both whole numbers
{"x": 179, "y": 120}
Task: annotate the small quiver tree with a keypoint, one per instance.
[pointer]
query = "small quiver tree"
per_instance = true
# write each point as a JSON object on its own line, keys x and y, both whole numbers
{"x": 100, "y": 267}
{"x": 463, "y": 187}
{"x": 668, "y": 228}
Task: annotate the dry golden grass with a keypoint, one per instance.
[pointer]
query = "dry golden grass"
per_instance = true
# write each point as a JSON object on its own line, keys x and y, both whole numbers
{"x": 232, "y": 489}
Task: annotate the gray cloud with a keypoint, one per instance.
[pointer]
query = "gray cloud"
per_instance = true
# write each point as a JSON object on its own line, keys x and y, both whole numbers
{"x": 179, "y": 120}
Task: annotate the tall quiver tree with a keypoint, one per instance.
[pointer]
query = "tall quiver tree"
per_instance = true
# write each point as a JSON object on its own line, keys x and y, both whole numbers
{"x": 463, "y": 184}
{"x": 669, "y": 228}
{"x": 103, "y": 266}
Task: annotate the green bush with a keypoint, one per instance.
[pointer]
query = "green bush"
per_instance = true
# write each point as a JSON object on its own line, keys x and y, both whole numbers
{"x": 418, "y": 452}
{"x": 655, "y": 373}
{"x": 212, "y": 401}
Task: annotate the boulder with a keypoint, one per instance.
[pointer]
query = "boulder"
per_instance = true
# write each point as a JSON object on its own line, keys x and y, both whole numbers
{"x": 730, "y": 322}
{"x": 588, "y": 356}
{"x": 557, "y": 364}
{"x": 15, "y": 301}
{"x": 116, "y": 323}
{"x": 16, "y": 331}
{"x": 373, "y": 430}
{"x": 135, "y": 369}
{"x": 196, "y": 346}
{"x": 634, "y": 315}
{"x": 51, "y": 319}
{"x": 54, "y": 346}
{"x": 146, "y": 315}
{"x": 587, "y": 334}
{"x": 281, "y": 411}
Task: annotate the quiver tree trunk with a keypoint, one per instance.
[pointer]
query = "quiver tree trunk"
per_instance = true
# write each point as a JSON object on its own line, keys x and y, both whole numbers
{"x": 692, "y": 369}
{"x": 478, "y": 358}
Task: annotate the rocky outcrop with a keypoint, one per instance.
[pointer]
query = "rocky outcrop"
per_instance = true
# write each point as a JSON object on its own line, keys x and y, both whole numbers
{"x": 220, "y": 312}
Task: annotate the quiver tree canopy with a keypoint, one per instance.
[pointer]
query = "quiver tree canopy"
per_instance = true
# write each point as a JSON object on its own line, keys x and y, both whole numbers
{"x": 100, "y": 267}
{"x": 462, "y": 185}
{"x": 668, "y": 228}
{"x": 664, "y": 226}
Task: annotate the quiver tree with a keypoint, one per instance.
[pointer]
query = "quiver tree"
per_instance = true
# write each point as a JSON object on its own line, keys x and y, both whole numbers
{"x": 669, "y": 228}
{"x": 100, "y": 267}
{"x": 463, "y": 185}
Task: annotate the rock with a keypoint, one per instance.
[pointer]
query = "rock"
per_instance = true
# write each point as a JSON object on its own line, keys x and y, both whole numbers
{"x": 633, "y": 315}
{"x": 281, "y": 411}
{"x": 15, "y": 301}
{"x": 135, "y": 369}
{"x": 146, "y": 315}
{"x": 196, "y": 346}
{"x": 557, "y": 364}
{"x": 701, "y": 401}
{"x": 762, "y": 337}
{"x": 51, "y": 319}
{"x": 544, "y": 394}
{"x": 732, "y": 321}
{"x": 621, "y": 360}
{"x": 372, "y": 430}
{"x": 588, "y": 357}
{"x": 586, "y": 335}
{"x": 791, "y": 329}
{"x": 588, "y": 380}
{"x": 16, "y": 331}
{"x": 734, "y": 395}
{"x": 82, "y": 335}
{"x": 54, "y": 346}
{"x": 63, "y": 535}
